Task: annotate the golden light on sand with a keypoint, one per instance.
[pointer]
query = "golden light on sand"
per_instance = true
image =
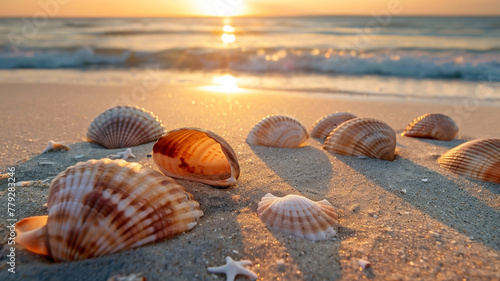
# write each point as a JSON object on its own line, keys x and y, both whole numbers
{"x": 227, "y": 82}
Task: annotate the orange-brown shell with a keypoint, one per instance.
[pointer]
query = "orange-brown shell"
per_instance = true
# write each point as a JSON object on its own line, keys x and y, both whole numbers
{"x": 197, "y": 155}
{"x": 432, "y": 126}
{"x": 105, "y": 206}
{"x": 324, "y": 126}
{"x": 478, "y": 159}
{"x": 278, "y": 131}
{"x": 363, "y": 137}
{"x": 125, "y": 126}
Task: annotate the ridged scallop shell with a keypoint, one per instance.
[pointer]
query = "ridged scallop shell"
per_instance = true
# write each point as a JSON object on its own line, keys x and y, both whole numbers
{"x": 324, "y": 126}
{"x": 433, "y": 126}
{"x": 105, "y": 206}
{"x": 297, "y": 215}
{"x": 197, "y": 155}
{"x": 278, "y": 131}
{"x": 363, "y": 137}
{"x": 479, "y": 159}
{"x": 125, "y": 126}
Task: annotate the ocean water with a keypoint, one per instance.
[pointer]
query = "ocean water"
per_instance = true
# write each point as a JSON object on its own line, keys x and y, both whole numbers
{"x": 408, "y": 56}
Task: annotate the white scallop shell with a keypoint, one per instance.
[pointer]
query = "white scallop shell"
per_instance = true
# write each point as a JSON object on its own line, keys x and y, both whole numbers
{"x": 125, "y": 126}
{"x": 363, "y": 137}
{"x": 297, "y": 215}
{"x": 105, "y": 206}
{"x": 278, "y": 131}
{"x": 197, "y": 155}
{"x": 432, "y": 126}
{"x": 324, "y": 126}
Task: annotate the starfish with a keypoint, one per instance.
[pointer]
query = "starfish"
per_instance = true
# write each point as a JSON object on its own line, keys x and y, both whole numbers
{"x": 127, "y": 154}
{"x": 233, "y": 268}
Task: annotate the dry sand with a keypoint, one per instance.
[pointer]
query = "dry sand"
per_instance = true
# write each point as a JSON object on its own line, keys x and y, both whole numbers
{"x": 411, "y": 219}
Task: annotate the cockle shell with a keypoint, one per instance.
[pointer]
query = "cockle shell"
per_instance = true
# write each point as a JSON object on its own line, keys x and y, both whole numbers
{"x": 197, "y": 155}
{"x": 324, "y": 126}
{"x": 363, "y": 137}
{"x": 125, "y": 126}
{"x": 278, "y": 131}
{"x": 433, "y": 126}
{"x": 297, "y": 215}
{"x": 479, "y": 159}
{"x": 105, "y": 206}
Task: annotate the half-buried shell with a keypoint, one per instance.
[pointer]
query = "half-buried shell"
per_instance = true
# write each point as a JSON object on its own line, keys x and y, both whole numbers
{"x": 478, "y": 159}
{"x": 432, "y": 126}
{"x": 105, "y": 206}
{"x": 324, "y": 126}
{"x": 363, "y": 137}
{"x": 278, "y": 131}
{"x": 197, "y": 155}
{"x": 125, "y": 126}
{"x": 297, "y": 215}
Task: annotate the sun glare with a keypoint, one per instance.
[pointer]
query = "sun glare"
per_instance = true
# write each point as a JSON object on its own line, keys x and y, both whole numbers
{"x": 228, "y": 28}
{"x": 227, "y": 82}
{"x": 228, "y": 38}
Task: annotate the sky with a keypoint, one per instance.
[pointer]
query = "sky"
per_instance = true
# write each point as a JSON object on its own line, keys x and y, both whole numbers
{"x": 144, "y": 8}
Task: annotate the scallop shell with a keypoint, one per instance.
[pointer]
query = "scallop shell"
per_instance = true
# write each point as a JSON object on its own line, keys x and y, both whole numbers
{"x": 433, "y": 126}
{"x": 197, "y": 155}
{"x": 125, "y": 126}
{"x": 324, "y": 126}
{"x": 363, "y": 137}
{"x": 105, "y": 206}
{"x": 278, "y": 131}
{"x": 297, "y": 215}
{"x": 479, "y": 159}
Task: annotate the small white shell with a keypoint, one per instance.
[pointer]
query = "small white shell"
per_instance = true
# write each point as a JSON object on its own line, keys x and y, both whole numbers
{"x": 105, "y": 206}
{"x": 197, "y": 155}
{"x": 479, "y": 159}
{"x": 363, "y": 137}
{"x": 324, "y": 126}
{"x": 125, "y": 126}
{"x": 432, "y": 126}
{"x": 297, "y": 215}
{"x": 278, "y": 131}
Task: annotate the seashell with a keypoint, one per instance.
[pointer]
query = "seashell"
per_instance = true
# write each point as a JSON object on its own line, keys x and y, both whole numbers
{"x": 55, "y": 146}
{"x": 432, "y": 126}
{"x": 105, "y": 206}
{"x": 297, "y": 215}
{"x": 125, "y": 126}
{"x": 197, "y": 155}
{"x": 278, "y": 131}
{"x": 324, "y": 126}
{"x": 363, "y": 137}
{"x": 478, "y": 159}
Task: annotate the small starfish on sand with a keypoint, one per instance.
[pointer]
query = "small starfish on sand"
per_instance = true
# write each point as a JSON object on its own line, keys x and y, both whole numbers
{"x": 233, "y": 268}
{"x": 53, "y": 146}
{"x": 127, "y": 154}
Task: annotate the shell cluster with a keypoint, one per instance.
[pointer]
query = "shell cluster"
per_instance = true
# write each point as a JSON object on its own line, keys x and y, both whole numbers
{"x": 197, "y": 155}
{"x": 298, "y": 215}
{"x": 478, "y": 159}
{"x": 125, "y": 126}
{"x": 363, "y": 137}
{"x": 105, "y": 206}
{"x": 278, "y": 131}
{"x": 432, "y": 126}
{"x": 324, "y": 126}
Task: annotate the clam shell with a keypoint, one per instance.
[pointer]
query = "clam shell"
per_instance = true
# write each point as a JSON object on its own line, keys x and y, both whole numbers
{"x": 324, "y": 126}
{"x": 363, "y": 137}
{"x": 197, "y": 155}
{"x": 105, "y": 206}
{"x": 433, "y": 126}
{"x": 297, "y": 215}
{"x": 125, "y": 126}
{"x": 478, "y": 159}
{"x": 278, "y": 131}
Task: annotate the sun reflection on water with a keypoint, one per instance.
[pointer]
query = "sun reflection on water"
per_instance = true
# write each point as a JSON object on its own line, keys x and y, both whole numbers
{"x": 228, "y": 36}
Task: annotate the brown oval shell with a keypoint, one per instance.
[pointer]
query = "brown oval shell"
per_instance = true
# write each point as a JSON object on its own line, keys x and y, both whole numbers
{"x": 324, "y": 126}
{"x": 125, "y": 126}
{"x": 363, "y": 137}
{"x": 478, "y": 159}
{"x": 278, "y": 131}
{"x": 433, "y": 126}
{"x": 198, "y": 155}
{"x": 105, "y": 206}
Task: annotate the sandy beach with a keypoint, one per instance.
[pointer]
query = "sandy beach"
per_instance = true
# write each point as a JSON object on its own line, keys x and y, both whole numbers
{"x": 409, "y": 218}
